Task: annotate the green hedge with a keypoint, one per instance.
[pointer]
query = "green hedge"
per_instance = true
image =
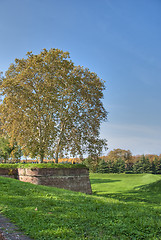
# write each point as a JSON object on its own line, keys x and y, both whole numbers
{"x": 41, "y": 165}
{"x": 9, "y": 165}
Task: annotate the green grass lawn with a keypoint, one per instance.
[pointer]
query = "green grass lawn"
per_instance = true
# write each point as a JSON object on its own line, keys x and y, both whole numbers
{"x": 122, "y": 207}
{"x": 116, "y": 183}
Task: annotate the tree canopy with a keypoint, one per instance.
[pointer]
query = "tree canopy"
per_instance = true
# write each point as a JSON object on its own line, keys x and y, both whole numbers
{"x": 50, "y": 106}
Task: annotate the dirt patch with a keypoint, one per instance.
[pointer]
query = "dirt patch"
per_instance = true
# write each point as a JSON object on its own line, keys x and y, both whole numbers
{"x": 9, "y": 231}
{"x": 2, "y": 237}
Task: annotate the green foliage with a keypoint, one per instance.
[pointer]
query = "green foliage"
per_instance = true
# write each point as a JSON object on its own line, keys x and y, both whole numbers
{"x": 42, "y": 165}
{"x": 5, "y": 149}
{"x": 102, "y": 167}
{"x": 143, "y": 165}
{"x": 119, "y": 165}
{"x": 118, "y": 153}
{"x": 92, "y": 163}
{"x": 9, "y": 165}
{"x": 52, "y": 107}
{"x": 122, "y": 213}
{"x": 8, "y": 151}
{"x": 156, "y": 166}
{"x": 16, "y": 152}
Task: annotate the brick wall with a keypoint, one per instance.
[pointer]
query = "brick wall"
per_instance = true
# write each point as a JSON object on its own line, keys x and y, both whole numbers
{"x": 75, "y": 179}
{"x": 11, "y": 173}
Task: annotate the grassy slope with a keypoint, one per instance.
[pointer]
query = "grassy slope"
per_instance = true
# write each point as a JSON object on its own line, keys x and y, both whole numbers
{"x": 49, "y": 213}
{"x": 114, "y": 183}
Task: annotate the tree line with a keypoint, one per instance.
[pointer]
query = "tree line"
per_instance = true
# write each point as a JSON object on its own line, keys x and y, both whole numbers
{"x": 122, "y": 161}
{"x": 117, "y": 161}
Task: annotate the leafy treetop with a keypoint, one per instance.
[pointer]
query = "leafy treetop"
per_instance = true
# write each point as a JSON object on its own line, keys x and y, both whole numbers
{"x": 50, "y": 106}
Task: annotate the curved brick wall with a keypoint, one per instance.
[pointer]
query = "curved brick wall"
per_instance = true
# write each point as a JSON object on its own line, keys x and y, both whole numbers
{"x": 75, "y": 179}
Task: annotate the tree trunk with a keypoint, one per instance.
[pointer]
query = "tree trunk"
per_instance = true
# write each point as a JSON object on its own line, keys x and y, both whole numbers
{"x": 41, "y": 156}
{"x": 41, "y": 159}
{"x": 59, "y": 143}
{"x": 56, "y": 157}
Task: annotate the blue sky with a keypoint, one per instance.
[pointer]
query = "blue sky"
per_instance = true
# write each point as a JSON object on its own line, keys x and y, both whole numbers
{"x": 119, "y": 40}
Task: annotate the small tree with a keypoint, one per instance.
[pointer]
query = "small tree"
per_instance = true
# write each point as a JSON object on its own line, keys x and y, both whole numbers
{"x": 16, "y": 152}
{"x": 92, "y": 163}
{"x": 5, "y": 149}
{"x": 9, "y": 152}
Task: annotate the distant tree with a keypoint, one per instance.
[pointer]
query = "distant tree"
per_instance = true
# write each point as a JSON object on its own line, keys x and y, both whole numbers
{"x": 117, "y": 155}
{"x": 158, "y": 166}
{"x": 143, "y": 165}
{"x": 146, "y": 164}
{"x": 154, "y": 165}
{"x": 120, "y": 153}
{"x": 102, "y": 167}
{"x": 119, "y": 166}
{"x": 92, "y": 162}
{"x": 51, "y": 106}
{"x": 110, "y": 166}
{"x": 151, "y": 157}
{"x": 137, "y": 167}
{"x": 125, "y": 155}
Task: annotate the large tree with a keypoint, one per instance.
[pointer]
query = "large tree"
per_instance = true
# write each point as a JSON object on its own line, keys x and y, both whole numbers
{"x": 51, "y": 106}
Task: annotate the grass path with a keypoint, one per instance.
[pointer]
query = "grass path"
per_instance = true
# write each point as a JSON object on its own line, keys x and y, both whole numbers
{"x": 117, "y": 210}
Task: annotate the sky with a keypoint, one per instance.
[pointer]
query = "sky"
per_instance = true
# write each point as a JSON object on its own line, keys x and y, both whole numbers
{"x": 118, "y": 40}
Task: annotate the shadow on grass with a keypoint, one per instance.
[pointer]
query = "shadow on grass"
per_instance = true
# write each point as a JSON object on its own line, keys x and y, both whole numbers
{"x": 98, "y": 180}
{"x": 47, "y": 213}
{"x": 149, "y": 193}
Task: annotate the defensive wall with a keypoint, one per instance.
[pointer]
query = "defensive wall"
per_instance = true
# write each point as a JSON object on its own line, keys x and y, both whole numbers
{"x": 75, "y": 179}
